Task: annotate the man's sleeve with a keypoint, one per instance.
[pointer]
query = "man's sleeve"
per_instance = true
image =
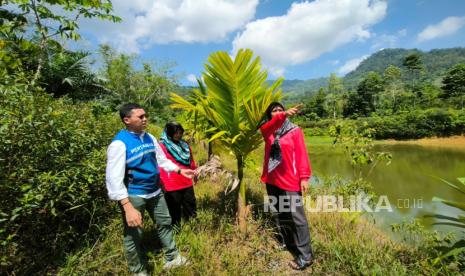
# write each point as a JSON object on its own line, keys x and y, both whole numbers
{"x": 116, "y": 166}
{"x": 162, "y": 161}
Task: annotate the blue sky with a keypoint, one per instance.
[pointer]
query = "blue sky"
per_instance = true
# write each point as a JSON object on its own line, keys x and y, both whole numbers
{"x": 295, "y": 39}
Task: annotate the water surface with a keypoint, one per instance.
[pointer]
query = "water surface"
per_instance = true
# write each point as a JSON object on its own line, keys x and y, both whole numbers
{"x": 408, "y": 181}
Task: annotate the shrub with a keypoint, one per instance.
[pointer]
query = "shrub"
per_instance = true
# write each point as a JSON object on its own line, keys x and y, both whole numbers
{"x": 52, "y": 158}
{"x": 417, "y": 124}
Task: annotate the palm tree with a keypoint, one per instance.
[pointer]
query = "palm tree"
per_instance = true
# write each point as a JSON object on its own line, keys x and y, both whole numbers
{"x": 193, "y": 108}
{"x": 234, "y": 104}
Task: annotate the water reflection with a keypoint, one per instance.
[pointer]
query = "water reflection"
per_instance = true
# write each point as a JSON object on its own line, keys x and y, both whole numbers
{"x": 407, "y": 181}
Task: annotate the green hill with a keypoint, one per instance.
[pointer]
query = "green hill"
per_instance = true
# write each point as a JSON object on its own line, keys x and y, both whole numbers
{"x": 436, "y": 62}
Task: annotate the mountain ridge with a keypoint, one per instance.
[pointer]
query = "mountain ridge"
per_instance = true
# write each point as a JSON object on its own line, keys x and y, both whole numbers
{"x": 436, "y": 63}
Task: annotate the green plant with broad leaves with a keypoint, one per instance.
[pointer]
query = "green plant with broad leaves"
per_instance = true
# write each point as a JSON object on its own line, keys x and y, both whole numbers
{"x": 359, "y": 147}
{"x": 197, "y": 126}
{"x": 458, "y": 249}
{"x": 234, "y": 105}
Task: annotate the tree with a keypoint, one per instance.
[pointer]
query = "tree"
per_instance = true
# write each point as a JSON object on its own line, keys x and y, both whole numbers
{"x": 430, "y": 94}
{"x": 334, "y": 84}
{"x": 192, "y": 108}
{"x": 393, "y": 83}
{"x": 363, "y": 101}
{"x": 69, "y": 73}
{"x": 235, "y": 103}
{"x": 335, "y": 88}
{"x": 353, "y": 106}
{"x": 148, "y": 86}
{"x": 454, "y": 83}
{"x": 317, "y": 104}
{"x": 414, "y": 66}
{"x": 48, "y": 24}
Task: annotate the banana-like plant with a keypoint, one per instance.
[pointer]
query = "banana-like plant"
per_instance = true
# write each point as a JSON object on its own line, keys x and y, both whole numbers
{"x": 236, "y": 98}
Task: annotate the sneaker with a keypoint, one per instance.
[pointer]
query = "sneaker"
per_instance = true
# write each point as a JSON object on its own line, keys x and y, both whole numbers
{"x": 157, "y": 251}
{"x": 178, "y": 261}
{"x": 281, "y": 247}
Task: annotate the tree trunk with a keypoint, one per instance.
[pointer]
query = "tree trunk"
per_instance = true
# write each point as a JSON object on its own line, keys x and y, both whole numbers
{"x": 42, "y": 44}
{"x": 242, "y": 211}
{"x": 210, "y": 150}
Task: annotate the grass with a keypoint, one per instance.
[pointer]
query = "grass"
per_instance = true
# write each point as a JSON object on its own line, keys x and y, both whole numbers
{"x": 318, "y": 140}
{"x": 344, "y": 244}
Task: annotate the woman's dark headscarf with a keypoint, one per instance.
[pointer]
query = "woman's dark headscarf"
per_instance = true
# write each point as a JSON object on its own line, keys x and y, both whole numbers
{"x": 275, "y": 152}
{"x": 270, "y": 109}
{"x": 179, "y": 150}
{"x": 172, "y": 127}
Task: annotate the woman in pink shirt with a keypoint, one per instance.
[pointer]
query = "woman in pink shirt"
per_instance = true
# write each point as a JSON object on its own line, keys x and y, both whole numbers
{"x": 286, "y": 171}
{"x": 179, "y": 190}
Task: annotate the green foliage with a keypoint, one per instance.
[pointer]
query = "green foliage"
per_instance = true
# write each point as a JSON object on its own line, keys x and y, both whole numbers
{"x": 68, "y": 73}
{"x": 417, "y": 124}
{"x": 458, "y": 249}
{"x": 454, "y": 83}
{"x": 196, "y": 125}
{"x": 234, "y": 105}
{"x": 427, "y": 245}
{"x": 13, "y": 49}
{"x": 41, "y": 16}
{"x": 413, "y": 62}
{"x": 46, "y": 24}
{"x": 362, "y": 103}
{"x": 343, "y": 243}
{"x": 358, "y": 146}
{"x": 301, "y": 88}
{"x": 316, "y": 106}
{"x": 148, "y": 86}
{"x": 335, "y": 84}
{"x": 435, "y": 62}
{"x": 52, "y": 156}
{"x": 390, "y": 98}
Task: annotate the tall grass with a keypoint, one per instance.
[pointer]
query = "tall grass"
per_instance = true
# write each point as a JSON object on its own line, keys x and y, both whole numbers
{"x": 344, "y": 244}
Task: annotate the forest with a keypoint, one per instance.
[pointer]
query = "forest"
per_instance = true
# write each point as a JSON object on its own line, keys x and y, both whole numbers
{"x": 58, "y": 113}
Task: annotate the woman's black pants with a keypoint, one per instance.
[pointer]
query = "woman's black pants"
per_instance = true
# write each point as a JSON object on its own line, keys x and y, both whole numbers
{"x": 181, "y": 204}
{"x": 291, "y": 224}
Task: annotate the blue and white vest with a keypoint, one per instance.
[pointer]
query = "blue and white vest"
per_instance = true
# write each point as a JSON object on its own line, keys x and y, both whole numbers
{"x": 142, "y": 174}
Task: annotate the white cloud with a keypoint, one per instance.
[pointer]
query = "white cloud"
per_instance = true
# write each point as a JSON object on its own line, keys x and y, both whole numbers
{"x": 148, "y": 22}
{"x": 334, "y": 62}
{"x": 446, "y": 27}
{"x": 387, "y": 40}
{"x": 402, "y": 33}
{"x": 192, "y": 78}
{"x": 276, "y": 71}
{"x": 351, "y": 65}
{"x": 309, "y": 29}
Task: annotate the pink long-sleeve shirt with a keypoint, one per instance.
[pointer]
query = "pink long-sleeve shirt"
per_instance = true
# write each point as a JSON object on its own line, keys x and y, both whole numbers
{"x": 295, "y": 164}
{"x": 172, "y": 181}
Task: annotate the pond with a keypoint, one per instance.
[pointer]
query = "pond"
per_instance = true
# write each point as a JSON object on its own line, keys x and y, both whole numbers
{"x": 408, "y": 181}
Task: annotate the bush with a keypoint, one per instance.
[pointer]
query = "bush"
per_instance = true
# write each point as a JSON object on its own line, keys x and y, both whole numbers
{"x": 417, "y": 124}
{"x": 52, "y": 159}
